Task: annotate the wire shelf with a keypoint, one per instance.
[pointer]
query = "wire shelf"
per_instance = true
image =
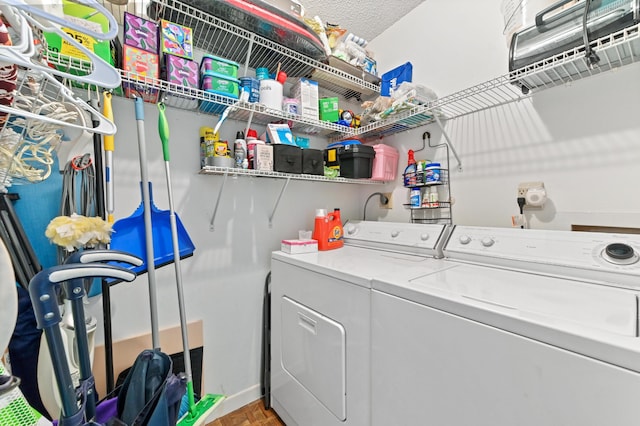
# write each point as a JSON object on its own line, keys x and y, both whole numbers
{"x": 212, "y": 170}
{"x": 213, "y": 35}
{"x": 615, "y": 50}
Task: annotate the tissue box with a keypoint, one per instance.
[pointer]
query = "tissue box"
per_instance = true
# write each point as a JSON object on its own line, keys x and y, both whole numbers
{"x": 182, "y": 72}
{"x": 143, "y": 64}
{"x": 140, "y": 33}
{"x": 299, "y": 246}
{"x": 176, "y": 39}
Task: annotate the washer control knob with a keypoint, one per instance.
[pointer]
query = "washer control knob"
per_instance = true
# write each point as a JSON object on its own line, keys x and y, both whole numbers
{"x": 424, "y": 237}
{"x": 487, "y": 241}
{"x": 465, "y": 239}
{"x": 351, "y": 229}
{"x": 394, "y": 234}
{"x": 620, "y": 254}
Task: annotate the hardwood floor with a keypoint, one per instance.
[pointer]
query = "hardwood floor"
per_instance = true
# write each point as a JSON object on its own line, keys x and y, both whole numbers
{"x": 251, "y": 414}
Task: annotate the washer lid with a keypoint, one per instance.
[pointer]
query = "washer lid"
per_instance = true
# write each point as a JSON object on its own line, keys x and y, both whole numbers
{"x": 593, "y": 320}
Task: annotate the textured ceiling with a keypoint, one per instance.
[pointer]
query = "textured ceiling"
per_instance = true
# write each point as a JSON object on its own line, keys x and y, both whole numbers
{"x": 363, "y": 18}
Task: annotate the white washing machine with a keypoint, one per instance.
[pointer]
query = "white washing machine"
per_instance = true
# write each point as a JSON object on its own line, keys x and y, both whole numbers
{"x": 524, "y": 327}
{"x": 320, "y": 319}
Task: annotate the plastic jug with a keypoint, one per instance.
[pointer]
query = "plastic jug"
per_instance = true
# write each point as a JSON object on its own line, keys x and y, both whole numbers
{"x": 328, "y": 230}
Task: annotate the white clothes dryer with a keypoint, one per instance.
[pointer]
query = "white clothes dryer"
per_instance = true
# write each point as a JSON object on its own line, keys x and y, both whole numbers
{"x": 524, "y": 327}
{"x": 320, "y": 319}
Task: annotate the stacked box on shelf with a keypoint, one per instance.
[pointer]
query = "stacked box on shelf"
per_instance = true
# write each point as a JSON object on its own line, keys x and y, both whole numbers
{"x": 218, "y": 77}
{"x": 140, "y": 57}
{"x": 185, "y": 73}
{"x": 144, "y": 66}
{"x": 176, "y": 39}
{"x": 329, "y": 110}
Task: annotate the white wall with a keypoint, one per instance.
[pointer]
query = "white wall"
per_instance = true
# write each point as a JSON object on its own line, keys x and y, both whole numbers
{"x": 580, "y": 140}
{"x": 225, "y": 278}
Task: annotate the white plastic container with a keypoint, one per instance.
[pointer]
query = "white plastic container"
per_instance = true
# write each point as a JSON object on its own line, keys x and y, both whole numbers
{"x": 385, "y": 163}
{"x": 271, "y": 94}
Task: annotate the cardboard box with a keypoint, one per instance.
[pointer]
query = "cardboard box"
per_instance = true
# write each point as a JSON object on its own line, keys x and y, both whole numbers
{"x": 140, "y": 33}
{"x": 306, "y": 92}
{"x": 299, "y": 246}
{"x": 184, "y": 73}
{"x": 176, "y": 39}
{"x": 263, "y": 157}
{"x": 280, "y": 134}
{"x": 141, "y": 64}
{"x": 329, "y": 110}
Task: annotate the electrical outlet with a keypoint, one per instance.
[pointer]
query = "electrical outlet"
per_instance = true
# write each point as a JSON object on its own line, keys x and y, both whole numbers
{"x": 389, "y": 204}
{"x": 523, "y": 187}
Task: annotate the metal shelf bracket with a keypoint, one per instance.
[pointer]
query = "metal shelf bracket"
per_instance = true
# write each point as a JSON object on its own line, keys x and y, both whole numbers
{"x": 275, "y": 207}
{"x": 215, "y": 209}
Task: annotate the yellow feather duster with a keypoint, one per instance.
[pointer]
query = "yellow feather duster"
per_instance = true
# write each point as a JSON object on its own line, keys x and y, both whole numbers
{"x": 77, "y": 231}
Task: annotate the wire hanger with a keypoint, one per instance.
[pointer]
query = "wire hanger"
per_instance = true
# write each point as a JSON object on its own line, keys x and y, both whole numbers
{"x": 48, "y": 89}
{"x": 45, "y": 16}
{"x": 25, "y": 53}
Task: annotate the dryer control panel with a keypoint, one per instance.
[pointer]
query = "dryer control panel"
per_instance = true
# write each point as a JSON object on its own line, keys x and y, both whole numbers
{"x": 614, "y": 258}
{"x": 412, "y": 238}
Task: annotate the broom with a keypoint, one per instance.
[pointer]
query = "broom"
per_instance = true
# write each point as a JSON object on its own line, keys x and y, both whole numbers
{"x": 197, "y": 411}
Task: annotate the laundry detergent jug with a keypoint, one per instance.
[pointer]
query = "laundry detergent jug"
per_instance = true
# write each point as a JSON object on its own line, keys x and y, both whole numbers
{"x": 328, "y": 230}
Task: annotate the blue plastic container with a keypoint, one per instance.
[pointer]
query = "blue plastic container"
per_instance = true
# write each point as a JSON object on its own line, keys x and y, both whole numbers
{"x": 252, "y": 86}
{"x": 392, "y": 79}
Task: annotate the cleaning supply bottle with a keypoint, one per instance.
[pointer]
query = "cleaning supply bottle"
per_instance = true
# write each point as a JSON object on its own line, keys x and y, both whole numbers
{"x": 410, "y": 172}
{"x": 328, "y": 230}
{"x": 239, "y": 149}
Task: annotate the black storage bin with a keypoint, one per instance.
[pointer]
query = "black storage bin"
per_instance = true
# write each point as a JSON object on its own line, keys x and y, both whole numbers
{"x": 287, "y": 158}
{"x": 356, "y": 161}
{"x": 331, "y": 158}
{"x": 312, "y": 162}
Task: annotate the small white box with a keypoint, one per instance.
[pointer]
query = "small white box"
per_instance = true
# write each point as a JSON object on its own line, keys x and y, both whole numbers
{"x": 263, "y": 157}
{"x": 306, "y": 92}
{"x": 299, "y": 246}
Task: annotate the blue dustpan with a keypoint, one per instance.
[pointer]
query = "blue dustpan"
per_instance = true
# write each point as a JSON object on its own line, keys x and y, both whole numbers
{"x": 129, "y": 236}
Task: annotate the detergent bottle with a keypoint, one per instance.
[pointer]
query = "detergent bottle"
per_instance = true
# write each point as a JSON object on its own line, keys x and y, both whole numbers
{"x": 328, "y": 230}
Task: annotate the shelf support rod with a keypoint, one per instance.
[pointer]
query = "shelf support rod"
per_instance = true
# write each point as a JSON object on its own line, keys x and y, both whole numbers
{"x": 215, "y": 209}
{"x": 446, "y": 136}
{"x": 246, "y": 62}
{"x": 275, "y": 207}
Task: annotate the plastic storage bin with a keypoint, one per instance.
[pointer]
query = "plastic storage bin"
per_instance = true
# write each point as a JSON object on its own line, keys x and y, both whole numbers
{"x": 219, "y": 85}
{"x": 287, "y": 158}
{"x": 312, "y": 162}
{"x": 356, "y": 161}
{"x": 385, "y": 163}
{"x": 217, "y": 65}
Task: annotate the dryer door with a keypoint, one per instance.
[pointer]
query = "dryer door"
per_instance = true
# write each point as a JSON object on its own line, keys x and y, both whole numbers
{"x": 314, "y": 353}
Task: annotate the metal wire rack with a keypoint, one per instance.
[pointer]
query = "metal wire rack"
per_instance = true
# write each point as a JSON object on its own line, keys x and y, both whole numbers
{"x": 212, "y": 170}
{"x": 213, "y": 35}
{"x": 615, "y": 50}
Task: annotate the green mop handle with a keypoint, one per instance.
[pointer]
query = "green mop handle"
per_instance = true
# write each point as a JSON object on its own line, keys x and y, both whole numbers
{"x": 163, "y": 130}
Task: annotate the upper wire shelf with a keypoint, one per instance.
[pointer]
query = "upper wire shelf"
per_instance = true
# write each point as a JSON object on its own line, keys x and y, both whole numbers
{"x": 615, "y": 50}
{"x": 212, "y": 170}
{"x": 214, "y": 35}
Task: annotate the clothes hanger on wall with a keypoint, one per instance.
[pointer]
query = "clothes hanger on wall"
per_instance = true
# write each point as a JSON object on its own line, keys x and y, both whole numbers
{"x": 28, "y": 51}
